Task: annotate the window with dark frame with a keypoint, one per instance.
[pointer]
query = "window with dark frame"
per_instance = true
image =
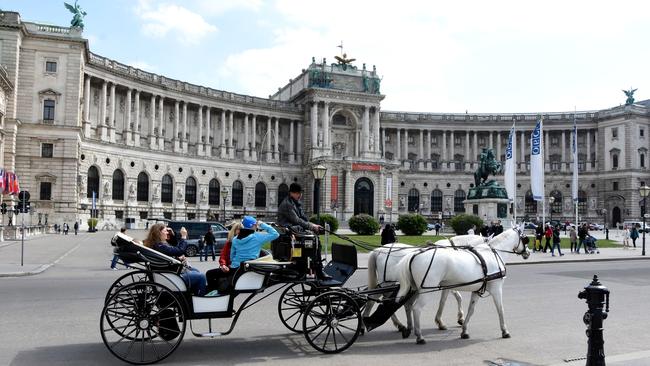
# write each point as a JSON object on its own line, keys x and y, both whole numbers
{"x": 614, "y": 186}
{"x": 531, "y": 204}
{"x": 436, "y": 201}
{"x": 118, "y": 185}
{"x": 47, "y": 150}
{"x": 119, "y": 214}
{"x": 50, "y": 66}
{"x": 260, "y": 195}
{"x": 190, "y": 190}
{"x": 46, "y": 191}
{"x": 459, "y": 197}
{"x": 213, "y": 192}
{"x": 237, "y": 194}
{"x": 48, "y": 110}
{"x": 167, "y": 189}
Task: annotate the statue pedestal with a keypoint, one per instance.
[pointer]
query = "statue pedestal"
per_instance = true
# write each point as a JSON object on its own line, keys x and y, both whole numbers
{"x": 490, "y": 209}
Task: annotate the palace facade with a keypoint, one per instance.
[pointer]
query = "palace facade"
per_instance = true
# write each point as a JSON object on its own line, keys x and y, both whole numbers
{"x": 76, "y": 125}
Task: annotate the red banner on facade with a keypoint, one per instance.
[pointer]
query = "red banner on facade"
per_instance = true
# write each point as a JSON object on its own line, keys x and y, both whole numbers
{"x": 366, "y": 167}
{"x": 335, "y": 188}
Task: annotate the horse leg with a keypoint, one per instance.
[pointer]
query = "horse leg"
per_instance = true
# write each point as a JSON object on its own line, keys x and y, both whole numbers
{"x": 408, "y": 309}
{"x": 459, "y": 300}
{"x": 417, "y": 311}
{"x": 498, "y": 303}
{"x": 470, "y": 311}
{"x": 441, "y": 307}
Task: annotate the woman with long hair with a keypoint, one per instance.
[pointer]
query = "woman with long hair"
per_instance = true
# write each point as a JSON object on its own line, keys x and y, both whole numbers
{"x": 215, "y": 275}
{"x": 157, "y": 239}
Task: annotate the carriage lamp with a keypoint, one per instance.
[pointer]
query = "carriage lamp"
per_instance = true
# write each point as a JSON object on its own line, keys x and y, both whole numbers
{"x": 224, "y": 195}
{"x": 319, "y": 173}
{"x": 644, "y": 191}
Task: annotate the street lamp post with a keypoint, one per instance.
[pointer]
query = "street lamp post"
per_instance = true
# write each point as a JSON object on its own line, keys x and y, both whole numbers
{"x": 644, "y": 191}
{"x": 604, "y": 212}
{"x": 224, "y": 195}
{"x": 551, "y": 199}
{"x": 319, "y": 173}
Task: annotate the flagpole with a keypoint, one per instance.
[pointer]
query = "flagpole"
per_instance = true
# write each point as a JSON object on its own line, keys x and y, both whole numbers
{"x": 514, "y": 157}
{"x": 576, "y": 191}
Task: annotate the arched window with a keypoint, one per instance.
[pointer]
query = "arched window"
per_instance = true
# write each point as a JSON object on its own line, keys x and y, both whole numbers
{"x": 582, "y": 202}
{"x": 190, "y": 190}
{"x": 260, "y": 195}
{"x": 531, "y": 204}
{"x": 459, "y": 197}
{"x": 93, "y": 182}
{"x": 557, "y": 202}
{"x": 167, "y": 189}
{"x": 614, "y": 161}
{"x": 213, "y": 192}
{"x": 414, "y": 200}
{"x": 436, "y": 201}
{"x": 642, "y": 160}
{"x": 143, "y": 187}
{"x": 237, "y": 194}
{"x": 118, "y": 185}
{"x": 283, "y": 192}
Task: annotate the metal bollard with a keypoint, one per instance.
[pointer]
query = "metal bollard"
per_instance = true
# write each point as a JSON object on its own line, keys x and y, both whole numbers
{"x": 597, "y": 298}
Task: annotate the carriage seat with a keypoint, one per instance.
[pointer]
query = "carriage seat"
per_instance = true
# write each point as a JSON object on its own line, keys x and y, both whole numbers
{"x": 130, "y": 251}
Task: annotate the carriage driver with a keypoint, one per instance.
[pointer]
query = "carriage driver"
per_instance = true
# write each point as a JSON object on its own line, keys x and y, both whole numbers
{"x": 291, "y": 215}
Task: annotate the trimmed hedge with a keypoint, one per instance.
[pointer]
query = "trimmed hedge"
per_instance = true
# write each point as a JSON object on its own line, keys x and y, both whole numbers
{"x": 412, "y": 224}
{"x": 463, "y": 222}
{"x": 92, "y": 224}
{"x": 326, "y": 218}
{"x": 363, "y": 224}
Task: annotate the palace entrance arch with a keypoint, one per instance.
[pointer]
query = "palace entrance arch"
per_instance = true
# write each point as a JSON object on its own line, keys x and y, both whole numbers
{"x": 364, "y": 193}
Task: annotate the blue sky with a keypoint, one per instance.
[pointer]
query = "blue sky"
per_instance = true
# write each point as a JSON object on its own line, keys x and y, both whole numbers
{"x": 479, "y": 56}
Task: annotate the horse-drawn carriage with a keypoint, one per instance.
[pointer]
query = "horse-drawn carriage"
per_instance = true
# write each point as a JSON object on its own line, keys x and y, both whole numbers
{"x": 147, "y": 310}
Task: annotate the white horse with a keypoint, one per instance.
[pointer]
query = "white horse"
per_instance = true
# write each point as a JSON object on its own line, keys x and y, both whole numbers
{"x": 440, "y": 268}
{"x": 382, "y": 267}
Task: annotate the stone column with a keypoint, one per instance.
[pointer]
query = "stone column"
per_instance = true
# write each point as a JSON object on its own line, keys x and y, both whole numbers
{"x": 177, "y": 143}
{"x": 208, "y": 129}
{"x": 269, "y": 151}
{"x": 398, "y": 150}
{"x": 491, "y": 145}
{"x": 356, "y": 143}
{"x": 111, "y": 116}
{"x": 313, "y": 121}
{"x": 563, "y": 162}
{"x": 522, "y": 151}
{"x": 102, "y": 113}
{"x": 468, "y": 165}
{"x": 445, "y": 158}
{"x": 254, "y": 143}
{"x": 498, "y": 145}
{"x": 452, "y": 148}
{"x": 276, "y": 147}
{"x": 201, "y": 140}
{"x": 231, "y": 122}
{"x": 86, "y": 119}
{"x": 383, "y": 143}
{"x": 421, "y": 152}
{"x": 546, "y": 150}
{"x": 299, "y": 141}
{"x": 475, "y": 148}
{"x": 365, "y": 131}
{"x": 291, "y": 142}
{"x": 161, "y": 124}
{"x": 128, "y": 133}
{"x": 184, "y": 136}
{"x": 406, "y": 143}
{"x": 376, "y": 126}
{"x": 326, "y": 128}
{"x": 222, "y": 146}
{"x": 136, "y": 130}
{"x": 152, "y": 124}
{"x": 246, "y": 149}
{"x": 428, "y": 157}
{"x": 588, "y": 160}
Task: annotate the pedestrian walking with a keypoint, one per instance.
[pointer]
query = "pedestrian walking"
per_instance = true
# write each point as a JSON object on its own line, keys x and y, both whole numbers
{"x": 634, "y": 235}
{"x": 556, "y": 241}
{"x": 626, "y": 237}
{"x": 76, "y": 227}
{"x": 209, "y": 241}
{"x": 583, "y": 232}
{"x": 539, "y": 234}
{"x": 388, "y": 235}
{"x": 573, "y": 237}
{"x": 66, "y": 228}
{"x": 437, "y": 227}
{"x": 548, "y": 235}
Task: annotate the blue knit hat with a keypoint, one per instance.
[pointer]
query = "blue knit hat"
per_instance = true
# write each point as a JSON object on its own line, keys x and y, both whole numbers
{"x": 248, "y": 222}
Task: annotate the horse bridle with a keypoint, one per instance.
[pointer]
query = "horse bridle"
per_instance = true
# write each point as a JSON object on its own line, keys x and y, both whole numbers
{"x": 521, "y": 236}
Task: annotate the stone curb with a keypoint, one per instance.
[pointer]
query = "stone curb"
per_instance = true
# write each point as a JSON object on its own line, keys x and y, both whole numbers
{"x": 579, "y": 260}
{"x": 40, "y": 269}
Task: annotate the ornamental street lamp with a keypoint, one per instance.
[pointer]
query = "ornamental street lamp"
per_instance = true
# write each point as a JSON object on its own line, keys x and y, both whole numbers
{"x": 644, "y": 191}
{"x": 604, "y": 212}
{"x": 319, "y": 172}
{"x": 224, "y": 195}
{"x": 551, "y": 199}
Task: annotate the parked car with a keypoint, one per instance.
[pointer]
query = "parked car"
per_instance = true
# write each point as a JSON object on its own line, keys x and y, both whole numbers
{"x": 530, "y": 225}
{"x": 196, "y": 231}
{"x": 594, "y": 226}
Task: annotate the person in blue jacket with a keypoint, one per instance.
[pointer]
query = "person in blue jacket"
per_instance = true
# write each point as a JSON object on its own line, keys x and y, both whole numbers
{"x": 248, "y": 243}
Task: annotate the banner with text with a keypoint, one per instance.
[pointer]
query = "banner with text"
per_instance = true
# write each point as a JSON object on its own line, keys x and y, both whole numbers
{"x": 388, "y": 201}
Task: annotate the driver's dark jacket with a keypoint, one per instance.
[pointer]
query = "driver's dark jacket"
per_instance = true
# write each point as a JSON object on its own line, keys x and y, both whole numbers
{"x": 290, "y": 213}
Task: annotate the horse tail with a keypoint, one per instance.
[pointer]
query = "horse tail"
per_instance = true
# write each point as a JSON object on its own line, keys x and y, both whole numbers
{"x": 406, "y": 280}
{"x": 372, "y": 269}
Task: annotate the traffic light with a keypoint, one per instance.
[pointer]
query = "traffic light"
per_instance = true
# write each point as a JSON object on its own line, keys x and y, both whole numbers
{"x": 3, "y": 208}
{"x": 16, "y": 210}
{"x": 24, "y": 207}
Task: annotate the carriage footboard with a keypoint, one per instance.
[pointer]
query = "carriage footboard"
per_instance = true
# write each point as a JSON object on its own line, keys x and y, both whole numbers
{"x": 386, "y": 308}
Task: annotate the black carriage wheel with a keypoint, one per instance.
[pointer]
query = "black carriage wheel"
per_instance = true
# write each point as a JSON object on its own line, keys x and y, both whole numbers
{"x": 292, "y": 305}
{"x": 142, "y": 323}
{"x": 332, "y": 322}
{"x": 126, "y": 279}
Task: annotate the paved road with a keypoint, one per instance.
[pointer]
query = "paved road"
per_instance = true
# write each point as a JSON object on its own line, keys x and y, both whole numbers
{"x": 52, "y": 319}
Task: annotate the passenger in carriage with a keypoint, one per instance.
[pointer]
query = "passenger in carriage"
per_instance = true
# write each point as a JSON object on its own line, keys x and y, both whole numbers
{"x": 215, "y": 275}
{"x": 158, "y": 238}
{"x": 248, "y": 243}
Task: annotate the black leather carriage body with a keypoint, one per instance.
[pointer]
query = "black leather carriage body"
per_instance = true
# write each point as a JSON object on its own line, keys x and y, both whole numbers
{"x": 131, "y": 252}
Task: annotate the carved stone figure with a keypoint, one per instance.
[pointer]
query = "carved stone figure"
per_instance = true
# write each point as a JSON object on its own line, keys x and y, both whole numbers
{"x": 82, "y": 186}
{"x": 402, "y": 202}
{"x": 592, "y": 203}
{"x": 156, "y": 192}
{"x": 630, "y": 96}
{"x": 179, "y": 194}
{"x": 271, "y": 199}
{"x": 204, "y": 194}
{"x": 107, "y": 188}
{"x": 77, "y": 19}
{"x": 249, "y": 198}
{"x": 131, "y": 191}
{"x": 520, "y": 203}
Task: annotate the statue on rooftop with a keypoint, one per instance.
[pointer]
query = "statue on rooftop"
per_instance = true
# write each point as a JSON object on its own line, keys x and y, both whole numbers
{"x": 77, "y": 19}
{"x": 630, "y": 96}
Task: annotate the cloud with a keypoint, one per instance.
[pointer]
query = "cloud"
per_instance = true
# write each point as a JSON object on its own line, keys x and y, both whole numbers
{"x": 219, "y": 7}
{"x": 165, "y": 18}
{"x": 142, "y": 65}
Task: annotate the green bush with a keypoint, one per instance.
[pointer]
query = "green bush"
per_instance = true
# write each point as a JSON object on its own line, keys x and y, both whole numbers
{"x": 412, "y": 224}
{"x": 463, "y": 222}
{"x": 363, "y": 224}
{"x": 326, "y": 218}
{"x": 92, "y": 223}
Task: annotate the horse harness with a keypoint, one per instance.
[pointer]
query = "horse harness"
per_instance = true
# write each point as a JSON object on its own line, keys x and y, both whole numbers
{"x": 484, "y": 280}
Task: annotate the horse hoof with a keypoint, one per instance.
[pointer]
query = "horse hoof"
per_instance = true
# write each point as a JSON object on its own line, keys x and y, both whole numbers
{"x": 420, "y": 341}
{"x": 401, "y": 328}
{"x": 505, "y": 335}
{"x": 464, "y": 336}
{"x": 406, "y": 333}
{"x": 442, "y": 327}
{"x": 461, "y": 321}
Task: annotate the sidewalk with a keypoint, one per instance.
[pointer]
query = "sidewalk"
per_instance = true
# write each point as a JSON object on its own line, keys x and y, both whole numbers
{"x": 40, "y": 253}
